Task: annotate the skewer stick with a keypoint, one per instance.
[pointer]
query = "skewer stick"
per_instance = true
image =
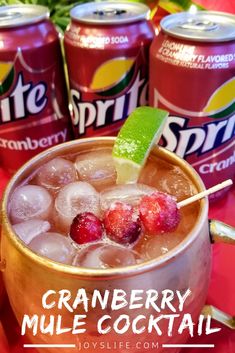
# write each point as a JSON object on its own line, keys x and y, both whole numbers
{"x": 205, "y": 193}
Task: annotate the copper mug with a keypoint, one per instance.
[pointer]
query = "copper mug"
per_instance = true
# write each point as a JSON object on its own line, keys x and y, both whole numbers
{"x": 28, "y": 276}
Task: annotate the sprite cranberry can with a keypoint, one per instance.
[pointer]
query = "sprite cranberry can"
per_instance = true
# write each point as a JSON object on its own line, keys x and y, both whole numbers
{"x": 33, "y": 106}
{"x": 192, "y": 71}
{"x": 107, "y": 53}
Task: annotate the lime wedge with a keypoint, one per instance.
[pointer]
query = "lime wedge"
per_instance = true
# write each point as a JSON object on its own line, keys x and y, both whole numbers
{"x": 140, "y": 131}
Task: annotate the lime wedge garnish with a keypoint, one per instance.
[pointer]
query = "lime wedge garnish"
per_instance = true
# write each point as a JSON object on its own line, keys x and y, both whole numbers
{"x": 140, "y": 131}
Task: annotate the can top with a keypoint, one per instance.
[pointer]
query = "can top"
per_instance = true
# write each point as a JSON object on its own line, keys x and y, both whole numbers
{"x": 202, "y": 26}
{"x": 18, "y": 15}
{"x": 108, "y": 13}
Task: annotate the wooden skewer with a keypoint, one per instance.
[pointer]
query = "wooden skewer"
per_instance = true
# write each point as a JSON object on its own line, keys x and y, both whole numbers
{"x": 205, "y": 193}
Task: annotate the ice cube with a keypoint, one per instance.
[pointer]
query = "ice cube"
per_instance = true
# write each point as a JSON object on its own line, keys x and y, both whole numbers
{"x": 75, "y": 198}
{"x": 102, "y": 255}
{"x": 55, "y": 246}
{"x": 158, "y": 245}
{"x": 97, "y": 168}
{"x": 30, "y": 202}
{"x": 56, "y": 173}
{"x": 128, "y": 193}
{"x": 168, "y": 178}
{"x": 28, "y": 230}
{"x": 177, "y": 183}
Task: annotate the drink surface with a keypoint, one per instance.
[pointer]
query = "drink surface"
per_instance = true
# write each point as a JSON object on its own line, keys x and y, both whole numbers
{"x": 192, "y": 75}
{"x": 33, "y": 104}
{"x": 42, "y": 209}
{"x": 106, "y": 47}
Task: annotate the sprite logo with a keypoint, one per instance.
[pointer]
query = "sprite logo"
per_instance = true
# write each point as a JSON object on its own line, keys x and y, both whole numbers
{"x": 6, "y": 76}
{"x": 117, "y": 88}
{"x": 19, "y": 98}
{"x": 113, "y": 76}
{"x": 222, "y": 101}
{"x": 219, "y": 105}
{"x": 184, "y": 139}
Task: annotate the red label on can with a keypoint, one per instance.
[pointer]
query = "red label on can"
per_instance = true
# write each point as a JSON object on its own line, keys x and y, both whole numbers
{"x": 33, "y": 105}
{"x": 108, "y": 74}
{"x": 195, "y": 82}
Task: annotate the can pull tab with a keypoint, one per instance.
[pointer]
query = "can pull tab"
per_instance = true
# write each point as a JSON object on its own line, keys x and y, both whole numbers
{"x": 196, "y": 25}
{"x": 110, "y": 12}
{"x": 10, "y": 15}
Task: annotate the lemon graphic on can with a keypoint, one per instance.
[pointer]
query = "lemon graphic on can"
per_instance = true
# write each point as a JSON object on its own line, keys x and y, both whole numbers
{"x": 113, "y": 76}
{"x": 6, "y": 76}
{"x": 222, "y": 101}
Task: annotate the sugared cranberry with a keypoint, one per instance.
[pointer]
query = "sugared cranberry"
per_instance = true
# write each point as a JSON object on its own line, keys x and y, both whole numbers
{"x": 85, "y": 228}
{"x": 121, "y": 223}
{"x": 159, "y": 213}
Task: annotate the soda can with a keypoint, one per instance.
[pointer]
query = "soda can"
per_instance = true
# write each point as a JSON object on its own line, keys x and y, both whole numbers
{"x": 192, "y": 71}
{"x": 107, "y": 53}
{"x": 34, "y": 111}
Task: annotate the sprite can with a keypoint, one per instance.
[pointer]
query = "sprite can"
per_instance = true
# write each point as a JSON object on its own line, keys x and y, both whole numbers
{"x": 107, "y": 46}
{"x": 192, "y": 75}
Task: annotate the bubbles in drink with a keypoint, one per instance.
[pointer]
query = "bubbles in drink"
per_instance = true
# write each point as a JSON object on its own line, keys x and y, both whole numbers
{"x": 74, "y": 198}
{"x": 55, "y": 246}
{"x": 97, "y": 168}
{"x": 127, "y": 193}
{"x": 103, "y": 255}
{"x": 30, "y": 229}
{"x": 30, "y": 202}
{"x": 56, "y": 173}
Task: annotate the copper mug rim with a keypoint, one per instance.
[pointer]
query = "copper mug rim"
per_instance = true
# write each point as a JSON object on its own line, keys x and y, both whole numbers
{"x": 101, "y": 273}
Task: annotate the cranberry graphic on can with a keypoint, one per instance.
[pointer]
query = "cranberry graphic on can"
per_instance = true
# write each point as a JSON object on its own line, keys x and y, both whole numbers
{"x": 192, "y": 75}
{"x": 33, "y": 102}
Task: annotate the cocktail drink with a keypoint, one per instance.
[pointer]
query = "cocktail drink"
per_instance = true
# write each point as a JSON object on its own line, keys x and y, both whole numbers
{"x": 81, "y": 253}
{"x": 43, "y": 210}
